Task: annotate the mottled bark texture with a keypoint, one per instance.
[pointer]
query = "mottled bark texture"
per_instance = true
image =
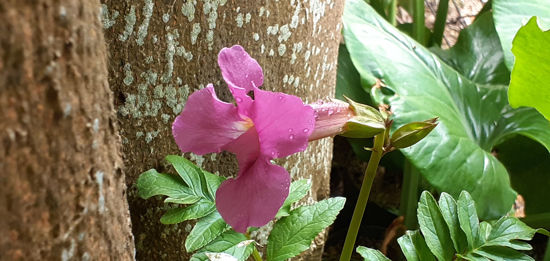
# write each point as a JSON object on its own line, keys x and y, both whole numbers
{"x": 161, "y": 51}
{"x": 63, "y": 192}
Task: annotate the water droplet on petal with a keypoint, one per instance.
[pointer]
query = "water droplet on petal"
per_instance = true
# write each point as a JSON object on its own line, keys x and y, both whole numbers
{"x": 273, "y": 153}
{"x": 290, "y": 130}
{"x": 291, "y": 136}
{"x": 239, "y": 99}
{"x": 280, "y": 97}
{"x": 330, "y": 112}
{"x": 306, "y": 130}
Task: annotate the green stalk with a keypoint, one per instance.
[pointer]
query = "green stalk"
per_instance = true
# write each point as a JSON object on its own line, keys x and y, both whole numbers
{"x": 440, "y": 21}
{"x": 392, "y": 13}
{"x": 409, "y": 195}
{"x": 255, "y": 253}
{"x": 361, "y": 204}
{"x": 418, "y": 22}
{"x": 547, "y": 253}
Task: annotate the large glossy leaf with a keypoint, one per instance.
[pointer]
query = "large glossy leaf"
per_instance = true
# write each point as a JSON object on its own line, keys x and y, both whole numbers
{"x": 510, "y": 15}
{"x": 530, "y": 85}
{"x": 348, "y": 81}
{"x": 473, "y": 117}
{"x": 477, "y": 54}
{"x": 529, "y": 171}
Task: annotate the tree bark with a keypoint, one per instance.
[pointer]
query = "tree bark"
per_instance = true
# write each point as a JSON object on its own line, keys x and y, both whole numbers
{"x": 161, "y": 51}
{"x": 63, "y": 191}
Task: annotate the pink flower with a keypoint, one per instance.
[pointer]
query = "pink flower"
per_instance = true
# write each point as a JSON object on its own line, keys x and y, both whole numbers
{"x": 257, "y": 130}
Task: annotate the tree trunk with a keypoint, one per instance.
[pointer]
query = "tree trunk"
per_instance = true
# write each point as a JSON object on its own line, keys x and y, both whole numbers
{"x": 161, "y": 51}
{"x": 63, "y": 191}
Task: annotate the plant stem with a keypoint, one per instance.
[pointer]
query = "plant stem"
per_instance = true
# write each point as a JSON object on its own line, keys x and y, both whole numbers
{"x": 440, "y": 21}
{"x": 255, "y": 253}
{"x": 547, "y": 252}
{"x": 392, "y": 13}
{"x": 409, "y": 195}
{"x": 361, "y": 204}
{"x": 418, "y": 22}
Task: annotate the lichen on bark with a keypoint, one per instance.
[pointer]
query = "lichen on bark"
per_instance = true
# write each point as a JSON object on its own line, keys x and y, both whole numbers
{"x": 176, "y": 54}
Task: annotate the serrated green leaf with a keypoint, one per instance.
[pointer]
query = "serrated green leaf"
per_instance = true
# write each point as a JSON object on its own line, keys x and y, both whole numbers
{"x": 191, "y": 174}
{"x": 213, "y": 182}
{"x": 502, "y": 253}
{"x": 508, "y": 228}
{"x": 205, "y": 231}
{"x": 370, "y": 254}
{"x": 449, "y": 212}
{"x": 220, "y": 257}
{"x": 151, "y": 183}
{"x": 473, "y": 117}
{"x": 434, "y": 228}
{"x": 198, "y": 210}
{"x": 293, "y": 234}
{"x": 298, "y": 190}
{"x": 183, "y": 201}
{"x": 414, "y": 247}
{"x": 469, "y": 222}
{"x": 530, "y": 85}
{"x": 230, "y": 242}
{"x": 510, "y": 15}
{"x": 473, "y": 257}
{"x": 484, "y": 231}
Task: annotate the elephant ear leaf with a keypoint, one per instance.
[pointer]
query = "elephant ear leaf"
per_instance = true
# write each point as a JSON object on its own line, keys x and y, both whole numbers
{"x": 474, "y": 116}
{"x": 530, "y": 85}
{"x": 510, "y": 15}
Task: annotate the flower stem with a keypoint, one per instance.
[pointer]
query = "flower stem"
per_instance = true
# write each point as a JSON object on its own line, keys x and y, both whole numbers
{"x": 255, "y": 253}
{"x": 361, "y": 204}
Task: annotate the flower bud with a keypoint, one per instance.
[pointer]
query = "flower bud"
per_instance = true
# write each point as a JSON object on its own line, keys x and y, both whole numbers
{"x": 411, "y": 133}
{"x": 351, "y": 119}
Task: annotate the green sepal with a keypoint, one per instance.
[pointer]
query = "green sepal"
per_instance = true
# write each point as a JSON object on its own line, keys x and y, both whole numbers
{"x": 366, "y": 123}
{"x": 411, "y": 133}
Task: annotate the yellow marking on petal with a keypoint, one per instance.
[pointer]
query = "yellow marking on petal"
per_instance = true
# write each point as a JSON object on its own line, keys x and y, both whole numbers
{"x": 244, "y": 125}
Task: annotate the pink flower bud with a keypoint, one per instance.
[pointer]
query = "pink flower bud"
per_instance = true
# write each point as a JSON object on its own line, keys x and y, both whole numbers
{"x": 330, "y": 118}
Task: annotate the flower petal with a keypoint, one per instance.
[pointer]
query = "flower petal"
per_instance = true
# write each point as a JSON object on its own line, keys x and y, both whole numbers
{"x": 283, "y": 122}
{"x": 246, "y": 148}
{"x": 239, "y": 69}
{"x": 254, "y": 198}
{"x": 206, "y": 123}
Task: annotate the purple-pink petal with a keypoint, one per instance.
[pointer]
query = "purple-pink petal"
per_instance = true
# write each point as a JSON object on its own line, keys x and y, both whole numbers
{"x": 246, "y": 148}
{"x": 254, "y": 197}
{"x": 283, "y": 122}
{"x": 239, "y": 69}
{"x": 206, "y": 123}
